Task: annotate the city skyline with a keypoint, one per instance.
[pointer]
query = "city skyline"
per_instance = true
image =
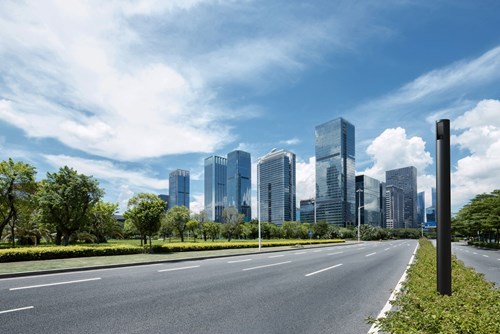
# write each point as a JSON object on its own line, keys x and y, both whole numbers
{"x": 128, "y": 92}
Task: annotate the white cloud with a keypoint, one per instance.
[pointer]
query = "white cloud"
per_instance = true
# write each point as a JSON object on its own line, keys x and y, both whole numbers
{"x": 123, "y": 198}
{"x": 306, "y": 179}
{"x": 393, "y": 149}
{"x": 292, "y": 141}
{"x": 197, "y": 203}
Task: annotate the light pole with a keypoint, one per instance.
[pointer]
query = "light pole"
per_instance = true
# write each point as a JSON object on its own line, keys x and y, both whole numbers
{"x": 313, "y": 201}
{"x": 359, "y": 191}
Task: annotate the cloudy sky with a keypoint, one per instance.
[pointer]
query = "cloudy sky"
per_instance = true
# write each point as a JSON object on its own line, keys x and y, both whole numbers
{"x": 129, "y": 91}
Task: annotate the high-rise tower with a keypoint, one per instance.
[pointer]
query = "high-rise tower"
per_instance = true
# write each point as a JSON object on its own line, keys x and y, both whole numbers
{"x": 239, "y": 182}
{"x": 215, "y": 186}
{"x": 276, "y": 193}
{"x": 178, "y": 188}
{"x": 335, "y": 172}
{"x": 406, "y": 179}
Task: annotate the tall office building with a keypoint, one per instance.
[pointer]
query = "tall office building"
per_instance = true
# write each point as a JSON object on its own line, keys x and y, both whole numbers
{"x": 215, "y": 187}
{"x": 368, "y": 197}
{"x": 335, "y": 172}
{"x": 166, "y": 199}
{"x": 395, "y": 207}
{"x": 276, "y": 192}
{"x": 383, "y": 205}
{"x": 178, "y": 189}
{"x": 239, "y": 182}
{"x": 307, "y": 211}
{"x": 406, "y": 179}
{"x": 421, "y": 208}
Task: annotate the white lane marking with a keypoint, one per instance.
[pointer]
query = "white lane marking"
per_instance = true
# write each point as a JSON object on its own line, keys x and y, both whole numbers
{"x": 52, "y": 284}
{"x": 474, "y": 253}
{"x": 317, "y": 251}
{"x": 319, "y": 271}
{"x": 370, "y": 254}
{"x": 17, "y": 309}
{"x": 267, "y": 265}
{"x": 387, "y": 249}
{"x": 361, "y": 248}
{"x": 272, "y": 257}
{"x": 335, "y": 253}
{"x": 236, "y": 261}
{"x": 180, "y": 268}
{"x": 485, "y": 255}
{"x": 374, "y": 329}
{"x": 299, "y": 253}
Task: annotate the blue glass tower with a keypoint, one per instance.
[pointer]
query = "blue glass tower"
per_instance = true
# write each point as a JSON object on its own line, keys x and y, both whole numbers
{"x": 406, "y": 179}
{"x": 276, "y": 193}
{"x": 215, "y": 187}
{"x": 178, "y": 188}
{"x": 239, "y": 182}
{"x": 369, "y": 199}
{"x": 335, "y": 172}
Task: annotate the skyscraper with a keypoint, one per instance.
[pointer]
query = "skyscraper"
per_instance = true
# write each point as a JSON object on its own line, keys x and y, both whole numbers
{"x": 395, "y": 207}
{"x": 335, "y": 172}
{"x": 421, "y": 208}
{"x": 406, "y": 179}
{"x": 178, "y": 189}
{"x": 369, "y": 198}
{"x": 215, "y": 186}
{"x": 276, "y": 194}
{"x": 239, "y": 182}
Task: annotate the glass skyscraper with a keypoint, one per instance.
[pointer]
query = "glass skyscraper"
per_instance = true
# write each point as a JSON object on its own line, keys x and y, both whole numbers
{"x": 335, "y": 172}
{"x": 239, "y": 182}
{"x": 276, "y": 193}
{"x": 178, "y": 188}
{"x": 215, "y": 187}
{"x": 406, "y": 179}
{"x": 395, "y": 207}
{"x": 369, "y": 199}
{"x": 421, "y": 208}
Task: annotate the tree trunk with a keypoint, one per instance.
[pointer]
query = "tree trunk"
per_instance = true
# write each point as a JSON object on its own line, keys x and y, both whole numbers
{"x": 182, "y": 236}
{"x": 150, "y": 245}
{"x": 58, "y": 238}
{"x": 66, "y": 236}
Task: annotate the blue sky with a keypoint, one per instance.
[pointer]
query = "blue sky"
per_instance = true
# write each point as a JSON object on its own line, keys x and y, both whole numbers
{"x": 129, "y": 91}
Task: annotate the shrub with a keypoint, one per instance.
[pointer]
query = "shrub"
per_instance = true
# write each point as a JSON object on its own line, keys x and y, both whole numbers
{"x": 473, "y": 307}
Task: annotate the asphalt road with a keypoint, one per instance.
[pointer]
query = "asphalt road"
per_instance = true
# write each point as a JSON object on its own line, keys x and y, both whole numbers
{"x": 482, "y": 260}
{"x": 324, "y": 290}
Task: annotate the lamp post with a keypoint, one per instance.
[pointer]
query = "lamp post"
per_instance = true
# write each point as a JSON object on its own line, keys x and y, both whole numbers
{"x": 359, "y": 191}
{"x": 313, "y": 201}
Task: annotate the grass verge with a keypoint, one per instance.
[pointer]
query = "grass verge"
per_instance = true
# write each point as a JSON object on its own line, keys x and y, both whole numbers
{"x": 473, "y": 307}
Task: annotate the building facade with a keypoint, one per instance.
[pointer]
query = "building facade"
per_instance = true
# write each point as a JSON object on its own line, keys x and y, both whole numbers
{"x": 335, "y": 172}
{"x": 307, "y": 211}
{"x": 215, "y": 187}
{"x": 178, "y": 189}
{"x": 406, "y": 179}
{"x": 383, "y": 205}
{"x": 239, "y": 182}
{"x": 421, "y": 208}
{"x": 276, "y": 192}
{"x": 368, "y": 197}
{"x": 395, "y": 207}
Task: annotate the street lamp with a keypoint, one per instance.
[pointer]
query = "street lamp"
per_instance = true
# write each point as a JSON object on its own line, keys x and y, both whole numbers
{"x": 359, "y": 191}
{"x": 313, "y": 201}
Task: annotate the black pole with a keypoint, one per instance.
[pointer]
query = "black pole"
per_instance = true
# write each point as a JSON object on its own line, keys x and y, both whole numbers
{"x": 443, "y": 209}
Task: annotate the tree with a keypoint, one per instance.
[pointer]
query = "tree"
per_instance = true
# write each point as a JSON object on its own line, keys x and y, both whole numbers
{"x": 192, "y": 226}
{"x": 17, "y": 185}
{"x": 211, "y": 229}
{"x": 320, "y": 229}
{"x": 65, "y": 199}
{"x": 178, "y": 216}
{"x": 232, "y": 222}
{"x": 102, "y": 222}
{"x": 145, "y": 211}
{"x": 202, "y": 218}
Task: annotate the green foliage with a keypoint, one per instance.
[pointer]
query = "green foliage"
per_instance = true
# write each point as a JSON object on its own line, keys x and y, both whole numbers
{"x": 233, "y": 221}
{"x": 62, "y": 252}
{"x": 211, "y": 229}
{"x": 483, "y": 244}
{"x": 178, "y": 216}
{"x": 65, "y": 200}
{"x": 102, "y": 222}
{"x": 473, "y": 307}
{"x": 192, "y": 226}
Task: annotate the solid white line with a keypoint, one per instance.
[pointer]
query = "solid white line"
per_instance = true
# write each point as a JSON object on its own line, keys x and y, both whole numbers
{"x": 335, "y": 253}
{"x": 272, "y": 257}
{"x": 58, "y": 283}
{"x": 300, "y": 253}
{"x": 17, "y": 309}
{"x": 174, "y": 269}
{"x": 267, "y": 265}
{"x": 236, "y": 261}
{"x": 485, "y": 255}
{"x": 370, "y": 254}
{"x": 319, "y": 271}
{"x": 374, "y": 329}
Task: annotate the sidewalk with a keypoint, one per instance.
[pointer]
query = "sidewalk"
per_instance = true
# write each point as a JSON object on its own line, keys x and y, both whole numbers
{"x": 30, "y": 268}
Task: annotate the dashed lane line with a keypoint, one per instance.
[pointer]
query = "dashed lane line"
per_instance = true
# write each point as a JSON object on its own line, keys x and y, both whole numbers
{"x": 370, "y": 254}
{"x": 297, "y": 253}
{"x": 267, "y": 265}
{"x": 335, "y": 253}
{"x": 237, "y": 261}
{"x": 274, "y": 256}
{"x": 320, "y": 271}
{"x": 174, "y": 269}
{"x": 57, "y": 283}
{"x": 17, "y": 309}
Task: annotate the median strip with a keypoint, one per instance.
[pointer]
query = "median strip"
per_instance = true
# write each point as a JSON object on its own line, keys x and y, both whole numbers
{"x": 17, "y": 309}
{"x": 174, "y": 269}
{"x": 58, "y": 283}
{"x": 267, "y": 265}
{"x": 320, "y": 271}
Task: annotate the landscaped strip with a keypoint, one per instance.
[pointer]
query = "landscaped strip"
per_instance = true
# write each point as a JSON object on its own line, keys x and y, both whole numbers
{"x": 473, "y": 307}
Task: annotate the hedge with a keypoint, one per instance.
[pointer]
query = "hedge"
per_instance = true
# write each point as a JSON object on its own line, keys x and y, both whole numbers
{"x": 62, "y": 252}
{"x": 473, "y": 307}
{"x": 484, "y": 244}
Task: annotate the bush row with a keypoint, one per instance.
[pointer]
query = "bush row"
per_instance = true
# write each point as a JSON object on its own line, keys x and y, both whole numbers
{"x": 473, "y": 307}
{"x": 484, "y": 244}
{"x": 192, "y": 246}
{"x": 61, "y": 252}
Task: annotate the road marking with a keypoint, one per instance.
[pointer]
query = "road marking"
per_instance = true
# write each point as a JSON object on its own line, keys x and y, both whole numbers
{"x": 236, "y": 261}
{"x": 58, "y": 283}
{"x": 319, "y": 271}
{"x": 300, "y": 253}
{"x": 370, "y": 254}
{"x": 474, "y": 253}
{"x": 485, "y": 255}
{"x": 17, "y": 309}
{"x": 180, "y": 268}
{"x": 267, "y": 265}
{"x": 387, "y": 249}
{"x": 335, "y": 253}
{"x": 272, "y": 257}
{"x": 317, "y": 251}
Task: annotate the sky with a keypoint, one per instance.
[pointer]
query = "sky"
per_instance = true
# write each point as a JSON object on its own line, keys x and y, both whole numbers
{"x": 128, "y": 91}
